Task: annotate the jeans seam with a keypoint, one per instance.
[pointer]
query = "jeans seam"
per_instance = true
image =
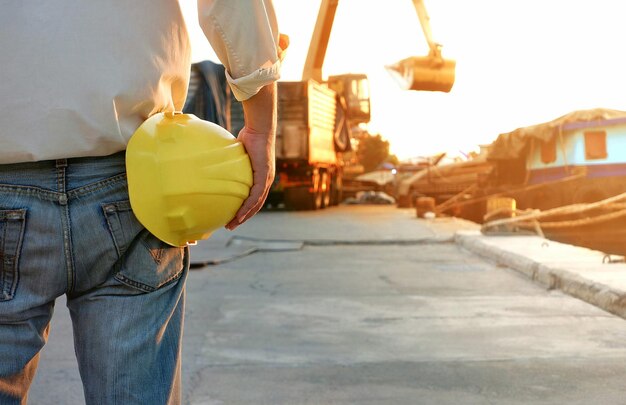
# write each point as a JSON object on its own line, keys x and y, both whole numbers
{"x": 113, "y": 209}
{"x": 6, "y": 293}
{"x": 61, "y": 181}
{"x": 54, "y": 195}
{"x": 147, "y": 288}
{"x": 133, "y": 283}
{"x": 97, "y": 186}
{"x": 31, "y": 191}
{"x": 66, "y": 222}
{"x": 156, "y": 254}
{"x": 11, "y": 262}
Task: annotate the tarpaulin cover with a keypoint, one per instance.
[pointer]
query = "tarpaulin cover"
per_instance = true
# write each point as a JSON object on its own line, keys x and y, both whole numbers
{"x": 511, "y": 145}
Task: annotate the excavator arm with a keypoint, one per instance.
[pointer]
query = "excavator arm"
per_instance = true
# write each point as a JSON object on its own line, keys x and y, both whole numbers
{"x": 422, "y": 14}
{"x": 319, "y": 41}
{"x": 430, "y": 73}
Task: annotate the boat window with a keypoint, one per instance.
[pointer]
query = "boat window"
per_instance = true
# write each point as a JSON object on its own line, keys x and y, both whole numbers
{"x": 595, "y": 145}
{"x": 548, "y": 151}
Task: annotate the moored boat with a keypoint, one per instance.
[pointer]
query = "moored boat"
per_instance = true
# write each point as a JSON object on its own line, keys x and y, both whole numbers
{"x": 578, "y": 159}
{"x": 443, "y": 181}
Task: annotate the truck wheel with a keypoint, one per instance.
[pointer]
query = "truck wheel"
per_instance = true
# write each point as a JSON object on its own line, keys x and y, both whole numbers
{"x": 299, "y": 198}
{"x": 324, "y": 189}
{"x": 336, "y": 190}
{"x": 305, "y": 198}
{"x": 317, "y": 191}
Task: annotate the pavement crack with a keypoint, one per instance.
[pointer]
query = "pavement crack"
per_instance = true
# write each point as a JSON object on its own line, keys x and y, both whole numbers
{"x": 241, "y": 246}
{"x": 355, "y": 242}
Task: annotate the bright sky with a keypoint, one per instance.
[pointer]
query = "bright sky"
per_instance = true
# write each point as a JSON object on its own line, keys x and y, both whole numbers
{"x": 519, "y": 63}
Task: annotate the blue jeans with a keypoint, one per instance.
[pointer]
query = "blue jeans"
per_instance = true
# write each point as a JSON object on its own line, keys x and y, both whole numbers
{"x": 66, "y": 227}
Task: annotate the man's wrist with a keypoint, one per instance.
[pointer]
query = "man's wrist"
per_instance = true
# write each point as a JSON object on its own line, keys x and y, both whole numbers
{"x": 260, "y": 110}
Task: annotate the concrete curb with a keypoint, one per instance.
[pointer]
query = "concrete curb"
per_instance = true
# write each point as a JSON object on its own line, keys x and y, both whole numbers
{"x": 562, "y": 275}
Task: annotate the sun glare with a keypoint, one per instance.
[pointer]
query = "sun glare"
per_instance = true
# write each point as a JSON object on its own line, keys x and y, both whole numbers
{"x": 518, "y": 63}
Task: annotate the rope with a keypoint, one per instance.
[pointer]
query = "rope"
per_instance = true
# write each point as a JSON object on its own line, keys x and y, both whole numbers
{"x": 450, "y": 202}
{"x": 580, "y": 222}
{"x": 512, "y": 192}
{"x": 565, "y": 210}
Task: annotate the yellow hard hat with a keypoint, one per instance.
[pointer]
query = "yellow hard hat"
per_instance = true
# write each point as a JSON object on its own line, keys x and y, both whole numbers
{"x": 186, "y": 177}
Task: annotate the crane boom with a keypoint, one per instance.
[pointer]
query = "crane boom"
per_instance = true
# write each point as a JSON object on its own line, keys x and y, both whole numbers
{"x": 319, "y": 41}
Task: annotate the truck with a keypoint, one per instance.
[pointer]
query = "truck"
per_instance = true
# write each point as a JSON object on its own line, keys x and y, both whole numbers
{"x": 315, "y": 125}
{"x": 314, "y": 131}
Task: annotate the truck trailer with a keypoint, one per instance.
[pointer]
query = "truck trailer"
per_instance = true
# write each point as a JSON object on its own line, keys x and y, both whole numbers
{"x": 312, "y": 135}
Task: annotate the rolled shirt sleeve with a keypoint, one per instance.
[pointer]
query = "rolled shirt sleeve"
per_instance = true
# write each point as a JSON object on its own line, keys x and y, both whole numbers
{"x": 244, "y": 35}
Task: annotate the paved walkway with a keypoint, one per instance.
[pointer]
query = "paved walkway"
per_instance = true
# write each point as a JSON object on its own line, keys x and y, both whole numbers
{"x": 370, "y": 305}
{"x": 577, "y": 271}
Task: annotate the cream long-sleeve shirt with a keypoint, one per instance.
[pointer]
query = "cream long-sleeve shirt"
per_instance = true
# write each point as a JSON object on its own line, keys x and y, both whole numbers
{"x": 78, "y": 77}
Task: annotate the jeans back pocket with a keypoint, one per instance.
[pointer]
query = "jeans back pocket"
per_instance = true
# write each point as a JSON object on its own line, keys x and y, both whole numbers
{"x": 12, "y": 223}
{"x": 146, "y": 263}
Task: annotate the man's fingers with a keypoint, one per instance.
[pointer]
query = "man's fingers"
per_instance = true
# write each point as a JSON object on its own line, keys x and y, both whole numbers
{"x": 254, "y": 203}
{"x": 260, "y": 150}
{"x": 250, "y": 206}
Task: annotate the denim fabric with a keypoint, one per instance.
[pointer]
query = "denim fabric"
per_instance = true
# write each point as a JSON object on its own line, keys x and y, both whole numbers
{"x": 66, "y": 227}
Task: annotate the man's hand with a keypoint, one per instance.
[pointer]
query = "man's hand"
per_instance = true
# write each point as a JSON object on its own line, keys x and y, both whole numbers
{"x": 258, "y": 137}
{"x": 261, "y": 152}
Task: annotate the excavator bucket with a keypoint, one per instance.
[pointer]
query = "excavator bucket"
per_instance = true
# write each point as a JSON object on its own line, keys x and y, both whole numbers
{"x": 425, "y": 73}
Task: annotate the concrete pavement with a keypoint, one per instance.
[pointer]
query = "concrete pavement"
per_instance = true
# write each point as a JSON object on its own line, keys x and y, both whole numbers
{"x": 371, "y": 305}
{"x": 379, "y": 307}
{"x": 580, "y": 272}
